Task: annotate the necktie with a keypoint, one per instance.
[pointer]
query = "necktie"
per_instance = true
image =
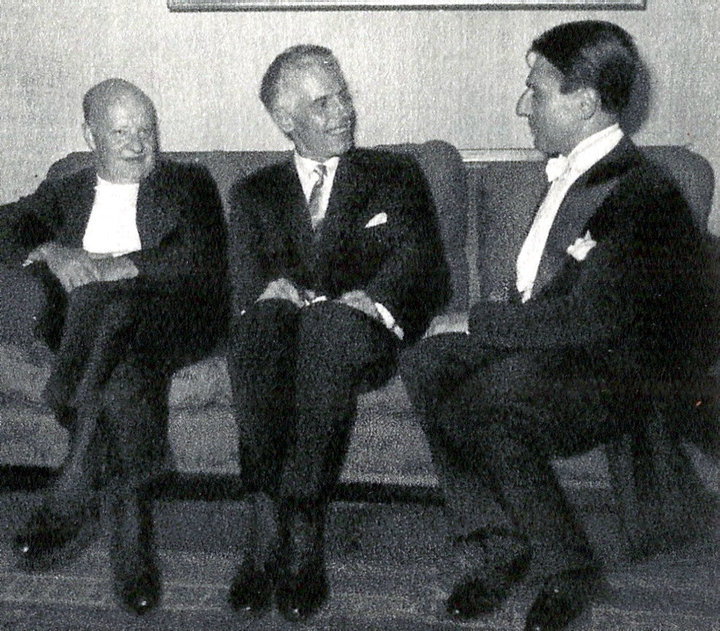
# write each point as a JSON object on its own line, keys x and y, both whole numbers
{"x": 316, "y": 214}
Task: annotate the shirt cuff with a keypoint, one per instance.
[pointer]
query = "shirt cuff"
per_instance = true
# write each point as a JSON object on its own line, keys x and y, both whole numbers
{"x": 389, "y": 321}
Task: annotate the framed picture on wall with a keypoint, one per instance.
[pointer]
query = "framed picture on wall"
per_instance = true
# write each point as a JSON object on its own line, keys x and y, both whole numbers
{"x": 241, "y": 5}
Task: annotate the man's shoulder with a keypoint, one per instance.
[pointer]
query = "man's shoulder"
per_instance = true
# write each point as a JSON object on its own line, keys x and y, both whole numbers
{"x": 167, "y": 168}
{"x": 646, "y": 198}
{"x": 266, "y": 180}
{"x": 646, "y": 179}
{"x": 632, "y": 167}
{"x": 60, "y": 179}
{"x": 380, "y": 159}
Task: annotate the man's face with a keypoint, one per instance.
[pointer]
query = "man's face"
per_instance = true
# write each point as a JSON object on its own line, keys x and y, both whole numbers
{"x": 317, "y": 111}
{"x": 553, "y": 117}
{"x": 124, "y": 138}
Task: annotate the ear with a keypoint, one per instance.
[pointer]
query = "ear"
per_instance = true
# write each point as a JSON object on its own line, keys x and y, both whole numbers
{"x": 589, "y": 102}
{"x": 283, "y": 119}
{"x": 88, "y": 135}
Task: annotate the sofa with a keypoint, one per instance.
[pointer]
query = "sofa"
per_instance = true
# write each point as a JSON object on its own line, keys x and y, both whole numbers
{"x": 484, "y": 200}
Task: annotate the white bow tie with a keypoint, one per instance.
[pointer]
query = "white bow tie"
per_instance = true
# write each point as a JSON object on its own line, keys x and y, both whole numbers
{"x": 557, "y": 167}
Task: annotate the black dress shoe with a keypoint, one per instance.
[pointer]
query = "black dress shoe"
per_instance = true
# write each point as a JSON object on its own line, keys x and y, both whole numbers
{"x": 136, "y": 575}
{"x": 562, "y": 598}
{"x": 500, "y": 560}
{"x": 302, "y": 586}
{"x": 251, "y": 590}
{"x": 140, "y": 589}
{"x": 50, "y": 538}
{"x": 300, "y": 595}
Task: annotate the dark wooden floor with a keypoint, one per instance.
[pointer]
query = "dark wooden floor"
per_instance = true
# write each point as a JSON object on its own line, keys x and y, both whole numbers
{"x": 387, "y": 571}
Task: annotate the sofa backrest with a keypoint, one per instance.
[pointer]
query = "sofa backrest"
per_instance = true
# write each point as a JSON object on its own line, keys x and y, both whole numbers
{"x": 440, "y": 161}
{"x": 507, "y": 193}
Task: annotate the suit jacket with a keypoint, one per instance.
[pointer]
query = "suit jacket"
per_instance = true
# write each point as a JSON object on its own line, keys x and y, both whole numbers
{"x": 398, "y": 262}
{"x": 179, "y": 219}
{"x": 637, "y": 305}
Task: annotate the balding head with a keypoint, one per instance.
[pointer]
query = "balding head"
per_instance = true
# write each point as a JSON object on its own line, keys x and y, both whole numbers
{"x": 98, "y": 98}
{"x": 120, "y": 128}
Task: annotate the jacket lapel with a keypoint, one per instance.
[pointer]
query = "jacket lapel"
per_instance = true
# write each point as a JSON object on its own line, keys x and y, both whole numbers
{"x": 349, "y": 187}
{"x": 583, "y": 199}
{"x": 291, "y": 200}
{"x": 157, "y": 211}
{"x": 80, "y": 206}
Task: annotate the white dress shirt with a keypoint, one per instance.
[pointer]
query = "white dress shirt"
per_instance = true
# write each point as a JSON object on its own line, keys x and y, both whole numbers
{"x": 562, "y": 173}
{"x": 308, "y": 176}
{"x": 111, "y": 228}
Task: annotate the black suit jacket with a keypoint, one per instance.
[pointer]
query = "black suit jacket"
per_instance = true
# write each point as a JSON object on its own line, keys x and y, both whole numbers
{"x": 179, "y": 219}
{"x": 399, "y": 262}
{"x": 638, "y": 304}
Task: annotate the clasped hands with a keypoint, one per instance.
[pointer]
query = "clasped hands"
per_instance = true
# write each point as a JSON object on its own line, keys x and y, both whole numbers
{"x": 284, "y": 289}
{"x": 75, "y": 267}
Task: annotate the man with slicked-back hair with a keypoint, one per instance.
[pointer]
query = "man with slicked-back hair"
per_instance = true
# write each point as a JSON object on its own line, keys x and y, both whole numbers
{"x": 609, "y": 294}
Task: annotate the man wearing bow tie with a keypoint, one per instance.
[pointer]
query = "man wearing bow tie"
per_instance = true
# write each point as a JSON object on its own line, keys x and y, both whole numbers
{"x": 608, "y": 294}
{"x": 336, "y": 263}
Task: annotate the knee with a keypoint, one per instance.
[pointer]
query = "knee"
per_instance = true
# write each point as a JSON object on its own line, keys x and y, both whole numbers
{"x": 332, "y": 329}
{"x": 132, "y": 386}
{"x": 262, "y": 325}
{"x": 88, "y": 296}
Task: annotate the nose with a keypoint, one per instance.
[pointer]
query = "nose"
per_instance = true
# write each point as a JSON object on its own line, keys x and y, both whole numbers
{"x": 523, "y": 107}
{"x": 135, "y": 143}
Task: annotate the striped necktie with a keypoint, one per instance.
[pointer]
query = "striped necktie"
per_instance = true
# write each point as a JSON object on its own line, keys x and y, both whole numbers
{"x": 314, "y": 206}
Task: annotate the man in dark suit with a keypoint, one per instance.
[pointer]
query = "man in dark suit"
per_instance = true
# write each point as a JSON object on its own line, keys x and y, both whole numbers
{"x": 129, "y": 256}
{"x": 335, "y": 263}
{"x": 608, "y": 297}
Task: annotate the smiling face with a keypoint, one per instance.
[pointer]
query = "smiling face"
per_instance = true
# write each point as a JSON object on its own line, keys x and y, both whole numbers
{"x": 123, "y": 135}
{"x": 315, "y": 110}
{"x": 555, "y": 119}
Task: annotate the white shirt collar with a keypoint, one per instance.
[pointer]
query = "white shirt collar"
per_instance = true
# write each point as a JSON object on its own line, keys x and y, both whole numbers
{"x": 593, "y": 148}
{"x": 117, "y": 185}
{"x": 306, "y": 166}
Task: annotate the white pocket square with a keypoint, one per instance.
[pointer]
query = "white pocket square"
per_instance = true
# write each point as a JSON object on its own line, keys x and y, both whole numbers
{"x": 377, "y": 220}
{"x": 582, "y": 246}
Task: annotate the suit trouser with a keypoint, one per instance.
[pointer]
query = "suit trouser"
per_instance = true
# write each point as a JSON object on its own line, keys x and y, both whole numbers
{"x": 135, "y": 334}
{"x": 494, "y": 420}
{"x": 117, "y": 345}
{"x": 296, "y": 374}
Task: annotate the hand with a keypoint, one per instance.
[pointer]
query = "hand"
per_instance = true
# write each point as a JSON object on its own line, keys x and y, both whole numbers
{"x": 72, "y": 266}
{"x": 115, "y": 268}
{"x": 283, "y": 289}
{"x": 358, "y": 299}
{"x": 448, "y": 323}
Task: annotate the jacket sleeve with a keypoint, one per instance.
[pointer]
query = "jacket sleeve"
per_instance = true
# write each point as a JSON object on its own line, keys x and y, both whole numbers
{"x": 28, "y": 223}
{"x": 245, "y": 248}
{"x": 592, "y": 311}
{"x": 413, "y": 282}
{"x": 194, "y": 250}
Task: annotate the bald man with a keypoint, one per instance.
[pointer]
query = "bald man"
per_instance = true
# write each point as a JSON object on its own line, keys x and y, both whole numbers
{"x": 128, "y": 260}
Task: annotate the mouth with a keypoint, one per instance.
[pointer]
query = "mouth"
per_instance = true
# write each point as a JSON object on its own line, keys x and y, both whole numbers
{"x": 340, "y": 131}
{"x": 138, "y": 160}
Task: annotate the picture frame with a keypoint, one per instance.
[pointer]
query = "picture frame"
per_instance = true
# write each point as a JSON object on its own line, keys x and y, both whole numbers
{"x": 245, "y": 5}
